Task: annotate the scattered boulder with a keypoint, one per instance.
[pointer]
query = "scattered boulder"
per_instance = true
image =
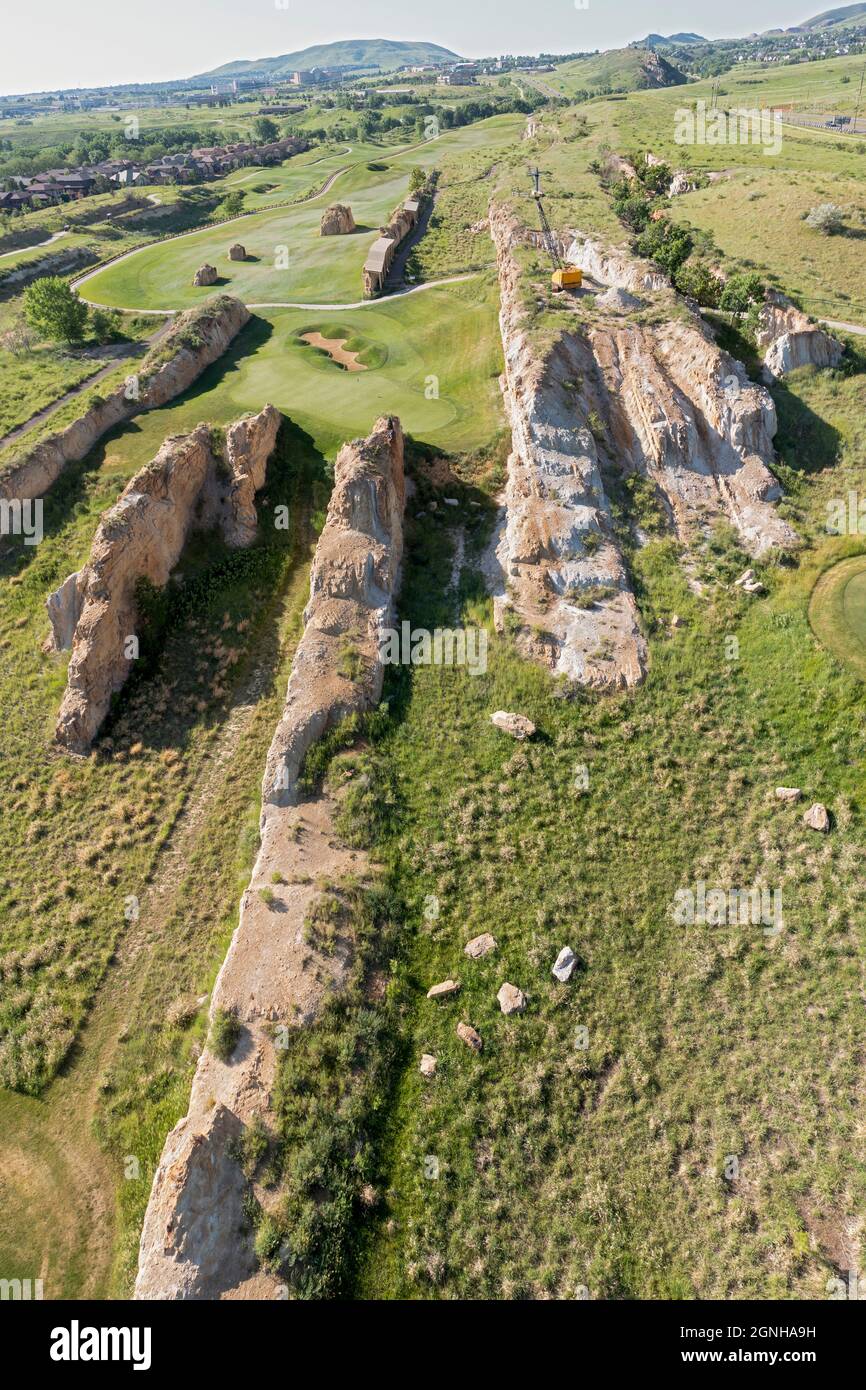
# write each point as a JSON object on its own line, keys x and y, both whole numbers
{"x": 515, "y": 724}
{"x": 205, "y": 275}
{"x": 564, "y": 964}
{"x": 440, "y": 990}
{"x": 511, "y": 999}
{"x": 748, "y": 582}
{"x": 817, "y": 818}
{"x": 337, "y": 220}
{"x": 480, "y": 946}
{"x": 466, "y": 1033}
{"x": 428, "y": 1064}
{"x": 680, "y": 183}
{"x": 237, "y": 252}
{"x": 788, "y": 793}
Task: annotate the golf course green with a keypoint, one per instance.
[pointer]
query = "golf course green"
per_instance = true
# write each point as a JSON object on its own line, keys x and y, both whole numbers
{"x": 288, "y": 261}
{"x": 837, "y": 612}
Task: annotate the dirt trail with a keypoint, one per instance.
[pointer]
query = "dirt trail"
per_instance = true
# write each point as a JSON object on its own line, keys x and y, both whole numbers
{"x": 51, "y": 1165}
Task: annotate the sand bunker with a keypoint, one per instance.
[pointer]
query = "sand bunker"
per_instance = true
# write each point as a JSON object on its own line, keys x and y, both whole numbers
{"x": 336, "y": 351}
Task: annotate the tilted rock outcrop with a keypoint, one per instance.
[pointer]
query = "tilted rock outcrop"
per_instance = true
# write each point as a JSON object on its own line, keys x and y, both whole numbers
{"x": 192, "y": 1243}
{"x": 142, "y": 537}
{"x": 789, "y": 339}
{"x": 606, "y": 401}
{"x": 194, "y": 341}
{"x": 337, "y": 220}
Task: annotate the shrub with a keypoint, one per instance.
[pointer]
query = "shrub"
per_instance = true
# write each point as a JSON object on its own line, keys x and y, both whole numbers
{"x": 826, "y": 218}
{"x": 225, "y": 1030}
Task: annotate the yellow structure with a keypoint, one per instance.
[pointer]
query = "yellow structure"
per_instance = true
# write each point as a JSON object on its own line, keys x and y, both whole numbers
{"x": 568, "y": 279}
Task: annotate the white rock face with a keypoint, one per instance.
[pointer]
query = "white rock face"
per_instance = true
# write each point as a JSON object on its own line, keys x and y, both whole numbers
{"x": 517, "y": 725}
{"x": 660, "y": 401}
{"x": 788, "y": 793}
{"x": 789, "y": 339}
{"x": 564, "y": 964}
{"x": 428, "y": 1065}
{"x": 511, "y": 999}
{"x": 618, "y": 301}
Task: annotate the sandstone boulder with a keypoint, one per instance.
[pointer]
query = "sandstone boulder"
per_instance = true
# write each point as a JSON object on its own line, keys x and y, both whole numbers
{"x": 466, "y": 1033}
{"x": 205, "y": 275}
{"x": 237, "y": 252}
{"x": 428, "y": 1065}
{"x": 480, "y": 946}
{"x": 441, "y": 990}
{"x": 511, "y": 999}
{"x": 517, "y": 725}
{"x": 817, "y": 818}
{"x": 788, "y": 793}
{"x": 337, "y": 220}
{"x": 564, "y": 964}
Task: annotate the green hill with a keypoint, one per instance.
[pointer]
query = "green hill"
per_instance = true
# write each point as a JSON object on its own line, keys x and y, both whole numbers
{"x": 385, "y": 54}
{"x": 828, "y": 19}
{"x": 619, "y": 70}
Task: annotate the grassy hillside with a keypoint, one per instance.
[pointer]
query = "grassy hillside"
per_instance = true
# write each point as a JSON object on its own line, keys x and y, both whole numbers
{"x": 618, "y": 70}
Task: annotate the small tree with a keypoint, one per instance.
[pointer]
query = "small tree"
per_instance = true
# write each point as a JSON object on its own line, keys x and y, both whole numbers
{"x": 826, "y": 218}
{"x": 18, "y": 339}
{"x": 265, "y": 130}
{"x": 232, "y": 204}
{"x": 54, "y": 310}
{"x": 741, "y": 292}
{"x": 417, "y": 180}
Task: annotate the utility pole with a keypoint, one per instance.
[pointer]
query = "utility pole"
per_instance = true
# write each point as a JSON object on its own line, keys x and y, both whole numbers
{"x": 859, "y": 95}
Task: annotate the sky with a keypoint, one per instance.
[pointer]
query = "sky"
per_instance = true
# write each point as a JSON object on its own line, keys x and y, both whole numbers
{"x": 92, "y": 43}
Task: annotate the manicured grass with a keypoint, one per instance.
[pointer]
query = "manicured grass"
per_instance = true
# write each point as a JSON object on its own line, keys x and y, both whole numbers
{"x": 837, "y": 612}
{"x": 317, "y": 269}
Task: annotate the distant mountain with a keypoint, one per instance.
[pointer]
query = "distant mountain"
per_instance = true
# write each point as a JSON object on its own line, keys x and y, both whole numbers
{"x": 385, "y": 54}
{"x": 653, "y": 40}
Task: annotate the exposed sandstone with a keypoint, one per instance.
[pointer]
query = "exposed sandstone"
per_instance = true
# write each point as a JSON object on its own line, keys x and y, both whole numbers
{"x": 337, "y": 220}
{"x": 142, "y": 537}
{"x": 195, "y": 340}
{"x": 428, "y": 1065}
{"x": 790, "y": 340}
{"x": 271, "y": 975}
{"x": 600, "y": 404}
{"x": 237, "y": 252}
{"x": 205, "y": 275}
{"x": 788, "y": 793}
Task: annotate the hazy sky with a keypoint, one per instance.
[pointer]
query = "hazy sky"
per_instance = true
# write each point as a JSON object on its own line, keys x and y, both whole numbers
{"x": 68, "y": 43}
